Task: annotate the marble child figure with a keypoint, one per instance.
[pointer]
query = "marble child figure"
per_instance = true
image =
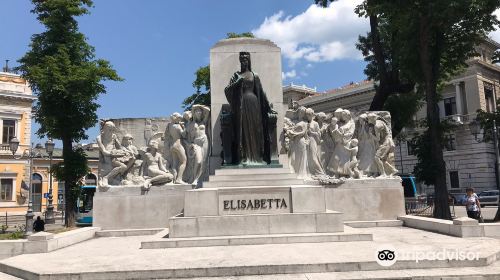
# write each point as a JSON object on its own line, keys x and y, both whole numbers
{"x": 154, "y": 167}
{"x": 250, "y": 110}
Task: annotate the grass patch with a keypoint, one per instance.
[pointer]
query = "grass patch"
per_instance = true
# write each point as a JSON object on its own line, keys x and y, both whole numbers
{"x": 11, "y": 235}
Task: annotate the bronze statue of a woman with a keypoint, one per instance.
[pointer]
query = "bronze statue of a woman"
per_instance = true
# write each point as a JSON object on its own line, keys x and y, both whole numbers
{"x": 250, "y": 116}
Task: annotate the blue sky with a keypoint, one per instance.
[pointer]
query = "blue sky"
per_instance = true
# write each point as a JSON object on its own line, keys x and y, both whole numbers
{"x": 156, "y": 46}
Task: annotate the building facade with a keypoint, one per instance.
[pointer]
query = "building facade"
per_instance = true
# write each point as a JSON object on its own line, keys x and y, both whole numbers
{"x": 16, "y": 101}
{"x": 470, "y": 162}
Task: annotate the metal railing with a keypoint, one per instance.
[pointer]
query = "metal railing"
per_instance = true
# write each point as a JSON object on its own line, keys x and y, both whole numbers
{"x": 424, "y": 207}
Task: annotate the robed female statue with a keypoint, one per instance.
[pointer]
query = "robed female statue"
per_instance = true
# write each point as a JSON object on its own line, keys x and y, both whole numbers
{"x": 250, "y": 111}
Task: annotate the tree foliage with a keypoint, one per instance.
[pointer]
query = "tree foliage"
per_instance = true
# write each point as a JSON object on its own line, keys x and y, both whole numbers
{"x": 394, "y": 91}
{"x": 202, "y": 80}
{"x": 67, "y": 79}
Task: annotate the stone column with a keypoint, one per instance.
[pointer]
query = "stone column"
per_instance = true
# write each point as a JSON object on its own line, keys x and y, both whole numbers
{"x": 224, "y": 61}
{"x": 458, "y": 98}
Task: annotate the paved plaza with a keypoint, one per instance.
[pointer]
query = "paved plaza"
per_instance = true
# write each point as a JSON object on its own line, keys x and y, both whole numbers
{"x": 122, "y": 258}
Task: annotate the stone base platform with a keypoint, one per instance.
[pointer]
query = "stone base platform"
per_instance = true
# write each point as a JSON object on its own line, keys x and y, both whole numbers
{"x": 130, "y": 207}
{"x": 121, "y": 258}
{"x": 257, "y": 224}
{"x": 256, "y": 240}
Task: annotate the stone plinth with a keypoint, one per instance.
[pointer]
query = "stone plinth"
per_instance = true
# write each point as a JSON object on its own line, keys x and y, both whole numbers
{"x": 256, "y": 224}
{"x": 134, "y": 208}
{"x": 224, "y": 61}
{"x": 367, "y": 199}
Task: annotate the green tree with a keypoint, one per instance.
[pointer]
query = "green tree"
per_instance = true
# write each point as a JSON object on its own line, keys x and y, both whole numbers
{"x": 67, "y": 79}
{"x": 202, "y": 80}
{"x": 394, "y": 91}
{"x": 436, "y": 38}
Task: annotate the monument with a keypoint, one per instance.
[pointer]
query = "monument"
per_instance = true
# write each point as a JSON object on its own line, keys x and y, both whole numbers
{"x": 246, "y": 166}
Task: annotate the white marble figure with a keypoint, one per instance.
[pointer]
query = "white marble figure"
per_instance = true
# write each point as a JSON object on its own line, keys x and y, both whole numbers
{"x": 333, "y": 148}
{"x": 384, "y": 155}
{"x": 351, "y": 167}
{"x": 174, "y": 134}
{"x": 111, "y": 168}
{"x": 367, "y": 146}
{"x": 154, "y": 168}
{"x": 298, "y": 144}
{"x": 314, "y": 166}
{"x": 197, "y": 143}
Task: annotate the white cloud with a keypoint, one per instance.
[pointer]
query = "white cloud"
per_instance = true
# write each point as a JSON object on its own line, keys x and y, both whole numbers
{"x": 318, "y": 34}
{"x": 289, "y": 74}
{"x": 495, "y": 35}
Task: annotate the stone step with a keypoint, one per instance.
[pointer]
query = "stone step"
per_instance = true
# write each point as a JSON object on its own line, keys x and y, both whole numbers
{"x": 249, "y": 177}
{"x": 250, "y": 171}
{"x": 255, "y": 240}
{"x": 256, "y": 224}
{"x": 253, "y": 182}
{"x": 482, "y": 269}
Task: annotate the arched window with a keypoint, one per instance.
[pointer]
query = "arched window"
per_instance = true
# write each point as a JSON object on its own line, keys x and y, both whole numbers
{"x": 90, "y": 180}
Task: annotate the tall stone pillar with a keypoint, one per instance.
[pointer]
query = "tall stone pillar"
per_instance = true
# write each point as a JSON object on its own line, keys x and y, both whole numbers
{"x": 224, "y": 61}
{"x": 458, "y": 99}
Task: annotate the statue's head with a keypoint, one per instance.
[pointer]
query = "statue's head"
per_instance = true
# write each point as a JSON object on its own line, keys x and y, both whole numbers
{"x": 153, "y": 144}
{"x": 334, "y": 121}
{"x": 245, "y": 61}
{"x": 372, "y": 118}
{"x": 363, "y": 118}
{"x": 108, "y": 127}
{"x": 346, "y": 115}
{"x": 309, "y": 114}
{"x": 338, "y": 113}
{"x": 302, "y": 113}
{"x": 187, "y": 116}
{"x": 354, "y": 142}
{"x": 176, "y": 117}
{"x": 127, "y": 139}
{"x": 198, "y": 113}
{"x": 321, "y": 117}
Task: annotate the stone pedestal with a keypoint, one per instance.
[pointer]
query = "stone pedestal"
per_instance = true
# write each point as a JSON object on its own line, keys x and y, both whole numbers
{"x": 133, "y": 208}
{"x": 224, "y": 61}
{"x": 367, "y": 199}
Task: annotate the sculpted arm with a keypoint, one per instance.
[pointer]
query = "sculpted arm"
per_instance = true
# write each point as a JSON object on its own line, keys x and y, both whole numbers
{"x": 103, "y": 149}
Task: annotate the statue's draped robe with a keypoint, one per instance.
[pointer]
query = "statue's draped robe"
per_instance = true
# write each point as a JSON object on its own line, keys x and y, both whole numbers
{"x": 245, "y": 137}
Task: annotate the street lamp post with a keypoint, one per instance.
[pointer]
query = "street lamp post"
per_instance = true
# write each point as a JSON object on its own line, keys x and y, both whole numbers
{"x": 30, "y": 155}
{"x": 49, "y": 218}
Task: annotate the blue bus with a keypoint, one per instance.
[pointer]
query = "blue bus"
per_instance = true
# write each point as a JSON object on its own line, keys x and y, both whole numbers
{"x": 84, "y": 206}
{"x": 409, "y": 185}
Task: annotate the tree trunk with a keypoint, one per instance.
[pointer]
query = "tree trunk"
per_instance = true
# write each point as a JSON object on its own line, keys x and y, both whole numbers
{"x": 429, "y": 64}
{"x": 381, "y": 95}
{"x": 381, "y": 92}
{"x": 69, "y": 184}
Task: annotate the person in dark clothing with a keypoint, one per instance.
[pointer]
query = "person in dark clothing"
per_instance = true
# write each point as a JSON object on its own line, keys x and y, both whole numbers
{"x": 39, "y": 224}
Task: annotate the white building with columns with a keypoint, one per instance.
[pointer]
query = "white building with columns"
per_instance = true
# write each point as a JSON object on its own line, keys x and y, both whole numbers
{"x": 469, "y": 162}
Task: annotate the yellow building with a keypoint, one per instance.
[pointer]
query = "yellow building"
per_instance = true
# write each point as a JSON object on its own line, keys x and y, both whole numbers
{"x": 16, "y": 101}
